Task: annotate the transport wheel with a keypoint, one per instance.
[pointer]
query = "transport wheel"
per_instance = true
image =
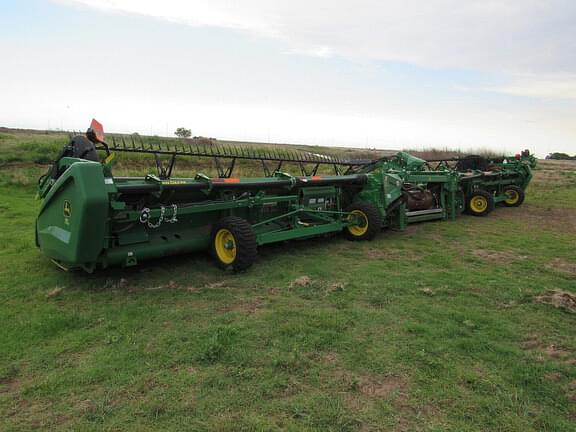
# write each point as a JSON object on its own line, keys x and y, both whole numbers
{"x": 480, "y": 203}
{"x": 368, "y": 220}
{"x": 233, "y": 243}
{"x": 514, "y": 196}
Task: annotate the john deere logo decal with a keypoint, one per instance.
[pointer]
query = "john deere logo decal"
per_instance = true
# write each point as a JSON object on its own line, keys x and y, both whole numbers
{"x": 67, "y": 209}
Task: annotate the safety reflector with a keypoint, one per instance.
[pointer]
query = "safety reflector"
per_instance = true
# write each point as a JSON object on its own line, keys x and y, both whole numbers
{"x": 226, "y": 180}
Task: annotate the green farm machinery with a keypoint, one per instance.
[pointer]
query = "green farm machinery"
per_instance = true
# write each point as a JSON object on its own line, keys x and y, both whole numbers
{"x": 91, "y": 219}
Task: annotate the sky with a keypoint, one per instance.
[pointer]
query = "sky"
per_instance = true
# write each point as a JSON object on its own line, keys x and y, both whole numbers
{"x": 412, "y": 74}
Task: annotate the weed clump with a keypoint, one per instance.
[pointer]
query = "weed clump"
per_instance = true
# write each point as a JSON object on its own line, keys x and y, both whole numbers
{"x": 216, "y": 344}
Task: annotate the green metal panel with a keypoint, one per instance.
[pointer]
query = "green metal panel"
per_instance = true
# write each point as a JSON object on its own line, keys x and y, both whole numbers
{"x": 71, "y": 225}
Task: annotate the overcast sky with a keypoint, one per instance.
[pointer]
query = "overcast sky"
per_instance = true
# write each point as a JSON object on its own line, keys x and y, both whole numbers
{"x": 369, "y": 73}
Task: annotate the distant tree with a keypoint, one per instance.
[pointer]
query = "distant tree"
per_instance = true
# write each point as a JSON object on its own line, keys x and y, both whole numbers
{"x": 183, "y": 132}
{"x": 560, "y": 156}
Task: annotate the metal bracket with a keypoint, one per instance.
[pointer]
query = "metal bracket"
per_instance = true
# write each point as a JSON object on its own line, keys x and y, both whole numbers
{"x": 266, "y": 169}
{"x": 307, "y": 173}
{"x": 224, "y": 171}
{"x": 165, "y": 172}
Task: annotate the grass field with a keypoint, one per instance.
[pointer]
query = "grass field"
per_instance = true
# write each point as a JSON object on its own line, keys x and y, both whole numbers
{"x": 439, "y": 328}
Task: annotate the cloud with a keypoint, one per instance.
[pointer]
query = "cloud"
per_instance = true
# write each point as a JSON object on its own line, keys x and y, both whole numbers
{"x": 553, "y": 87}
{"x": 315, "y": 51}
{"x": 219, "y": 13}
{"x": 515, "y": 36}
{"x": 527, "y": 45}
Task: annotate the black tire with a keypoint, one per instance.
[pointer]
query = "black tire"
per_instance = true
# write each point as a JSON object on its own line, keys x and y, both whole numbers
{"x": 372, "y": 222}
{"x": 237, "y": 231}
{"x": 516, "y": 197}
{"x": 479, "y": 203}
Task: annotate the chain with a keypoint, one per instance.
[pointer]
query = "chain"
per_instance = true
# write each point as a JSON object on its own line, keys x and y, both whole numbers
{"x": 145, "y": 216}
{"x": 174, "y": 213}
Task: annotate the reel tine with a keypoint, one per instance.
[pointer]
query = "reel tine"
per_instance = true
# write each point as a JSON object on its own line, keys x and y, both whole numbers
{"x": 204, "y": 147}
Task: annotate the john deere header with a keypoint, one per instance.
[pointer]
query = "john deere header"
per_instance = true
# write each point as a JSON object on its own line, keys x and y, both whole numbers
{"x": 91, "y": 219}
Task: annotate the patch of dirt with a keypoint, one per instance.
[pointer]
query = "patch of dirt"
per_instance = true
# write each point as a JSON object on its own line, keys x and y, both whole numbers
{"x": 436, "y": 237}
{"x": 329, "y": 358}
{"x": 219, "y": 284}
{"x": 394, "y": 388}
{"x": 302, "y": 281}
{"x": 548, "y": 351}
{"x": 170, "y": 285}
{"x": 497, "y": 256}
{"x": 376, "y": 253}
{"x": 411, "y": 229}
{"x": 391, "y": 254}
{"x": 507, "y": 305}
{"x": 556, "y": 352}
{"x": 571, "y": 393}
{"x": 247, "y": 307}
{"x": 9, "y": 385}
{"x": 427, "y": 291}
{"x": 378, "y": 387}
{"x": 355, "y": 402}
{"x": 32, "y": 414}
{"x": 562, "y": 266}
{"x": 560, "y": 299}
{"x": 361, "y": 393}
{"x": 557, "y": 219}
{"x": 553, "y": 376}
{"x": 530, "y": 344}
{"x": 373, "y": 386}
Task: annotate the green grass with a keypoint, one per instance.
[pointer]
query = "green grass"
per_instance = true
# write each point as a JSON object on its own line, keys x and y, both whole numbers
{"x": 38, "y": 147}
{"x": 433, "y": 329}
{"x": 30, "y": 146}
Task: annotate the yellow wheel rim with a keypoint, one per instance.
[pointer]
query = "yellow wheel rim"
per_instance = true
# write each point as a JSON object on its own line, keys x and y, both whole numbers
{"x": 478, "y": 204}
{"x": 512, "y": 197}
{"x": 225, "y": 245}
{"x": 359, "y": 229}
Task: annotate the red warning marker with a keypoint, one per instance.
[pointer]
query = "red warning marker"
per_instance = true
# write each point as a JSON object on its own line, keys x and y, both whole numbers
{"x": 97, "y": 130}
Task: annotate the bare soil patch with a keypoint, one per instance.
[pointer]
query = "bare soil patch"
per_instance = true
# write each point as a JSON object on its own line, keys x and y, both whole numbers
{"x": 9, "y": 385}
{"x": 391, "y": 254}
{"x": 571, "y": 393}
{"x": 562, "y": 266}
{"x": 557, "y": 219}
{"x": 374, "y": 386}
{"x": 383, "y": 387}
{"x": 219, "y": 284}
{"x": 556, "y": 352}
{"x": 553, "y": 376}
{"x": 302, "y": 281}
{"x": 560, "y": 299}
{"x": 497, "y": 256}
{"x": 376, "y": 253}
{"x": 329, "y": 358}
{"x": 548, "y": 350}
{"x": 247, "y": 307}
